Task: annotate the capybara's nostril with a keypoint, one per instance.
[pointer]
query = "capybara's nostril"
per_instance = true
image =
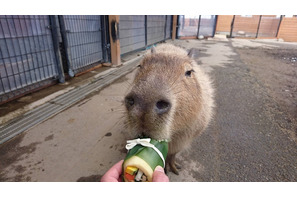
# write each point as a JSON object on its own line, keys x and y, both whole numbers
{"x": 162, "y": 106}
{"x": 129, "y": 101}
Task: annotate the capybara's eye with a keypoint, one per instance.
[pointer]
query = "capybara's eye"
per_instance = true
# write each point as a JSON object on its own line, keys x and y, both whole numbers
{"x": 189, "y": 73}
{"x": 129, "y": 101}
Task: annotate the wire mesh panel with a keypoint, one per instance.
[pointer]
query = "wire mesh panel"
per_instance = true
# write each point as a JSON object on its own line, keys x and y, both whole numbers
{"x": 245, "y": 26}
{"x": 155, "y": 28}
{"x": 207, "y": 25}
{"x": 188, "y": 25}
{"x": 168, "y": 26}
{"x": 268, "y": 26}
{"x": 27, "y": 59}
{"x": 132, "y": 32}
{"x": 84, "y": 41}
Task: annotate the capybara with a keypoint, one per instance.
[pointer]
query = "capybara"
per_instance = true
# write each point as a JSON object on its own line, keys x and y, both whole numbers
{"x": 171, "y": 98}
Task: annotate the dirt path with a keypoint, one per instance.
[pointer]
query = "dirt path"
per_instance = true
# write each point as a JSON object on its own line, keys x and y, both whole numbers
{"x": 276, "y": 68}
{"x": 251, "y": 137}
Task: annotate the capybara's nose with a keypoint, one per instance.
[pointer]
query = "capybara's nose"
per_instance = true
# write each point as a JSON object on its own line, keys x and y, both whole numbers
{"x": 129, "y": 101}
{"x": 162, "y": 107}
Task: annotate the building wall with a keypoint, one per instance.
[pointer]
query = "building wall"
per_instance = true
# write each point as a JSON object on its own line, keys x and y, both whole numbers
{"x": 288, "y": 29}
{"x": 224, "y": 23}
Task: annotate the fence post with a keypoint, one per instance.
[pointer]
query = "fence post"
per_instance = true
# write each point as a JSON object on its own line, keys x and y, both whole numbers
{"x": 58, "y": 58}
{"x": 279, "y": 25}
{"x": 65, "y": 42}
{"x": 145, "y": 29}
{"x": 114, "y": 39}
{"x": 165, "y": 27}
{"x": 215, "y": 25}
{"x": 104, "y": 37}
{"x": 258, "y": 26}
{"x": 174, "y": 21}
{"x": 198, "y": 26}
{"x": 232, "y": 24}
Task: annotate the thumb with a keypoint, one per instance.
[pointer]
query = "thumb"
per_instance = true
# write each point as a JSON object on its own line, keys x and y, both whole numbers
{"x": 159, "y": 175}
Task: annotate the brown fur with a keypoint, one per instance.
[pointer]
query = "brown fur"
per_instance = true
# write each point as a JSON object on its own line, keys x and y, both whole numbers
{"x": 161, "y": 76}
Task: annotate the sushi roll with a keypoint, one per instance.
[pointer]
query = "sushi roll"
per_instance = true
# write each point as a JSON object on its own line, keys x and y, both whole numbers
{"x": 143, "y": 156}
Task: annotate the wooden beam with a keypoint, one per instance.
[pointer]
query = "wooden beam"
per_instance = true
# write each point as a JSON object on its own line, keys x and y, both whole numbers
{"x": 114, "y": 39}
{"x": 174, "y": 21}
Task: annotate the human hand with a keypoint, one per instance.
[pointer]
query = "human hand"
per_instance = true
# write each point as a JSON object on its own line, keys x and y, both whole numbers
{"x": 159, "y": 175}
{"x": 114, "y": 173}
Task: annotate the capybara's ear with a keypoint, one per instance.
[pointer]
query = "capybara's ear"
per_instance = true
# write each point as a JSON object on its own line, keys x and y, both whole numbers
{"x": 191, "y": 53}
{"x": 153, "y": 49}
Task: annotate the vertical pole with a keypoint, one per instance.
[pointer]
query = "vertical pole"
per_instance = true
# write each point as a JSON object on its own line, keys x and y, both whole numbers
{"x": 174, "y": 21}
{"x": 215, "y": 25}
{"x": 198, "y": 26}
{"x": 232, "y": 24}
{"x": 114, "y": 39}
{"x": 103, "y": 37}
{"x": 165, "y": 27}
{"x": 66, "y": 46}
{"x": 258, "y": 26}
{"x": 56, "y": 48}
{"x": 145, "y": 28}
{"x": 279, "y": 25}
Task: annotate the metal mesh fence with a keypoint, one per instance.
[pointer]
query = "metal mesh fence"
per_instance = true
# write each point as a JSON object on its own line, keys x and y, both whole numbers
{"x": 207, "y": 25}
{"x": 27, "y": 57}
{"x": 188, "y": 26}
{"x": 196, "y": 25}
{"x": 33, "y": 48}
{"x": 132, "y": 32}
{"x": 138, "y": 31}
{"x": 84, "y": 41}
{"x": 155, "y": 28}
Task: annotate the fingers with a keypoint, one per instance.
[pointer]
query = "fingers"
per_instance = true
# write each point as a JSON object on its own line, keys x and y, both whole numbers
{"x": 113, "y": 174}
{"x": 159, "y": 175}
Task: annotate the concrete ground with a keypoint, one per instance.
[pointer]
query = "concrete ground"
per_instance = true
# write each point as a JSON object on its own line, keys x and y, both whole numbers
{"x": 251, "y": 138}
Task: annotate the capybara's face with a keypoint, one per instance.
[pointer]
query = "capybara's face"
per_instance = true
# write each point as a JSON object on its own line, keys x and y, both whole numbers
{"x": 161, "y": 97}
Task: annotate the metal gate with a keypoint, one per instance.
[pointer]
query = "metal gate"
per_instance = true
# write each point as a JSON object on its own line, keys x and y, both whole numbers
{"x": 28, "y": 59}
{"x": 196, "y": 25}
{"x": 255, "y": 26}
{"x": 84, "y": 40}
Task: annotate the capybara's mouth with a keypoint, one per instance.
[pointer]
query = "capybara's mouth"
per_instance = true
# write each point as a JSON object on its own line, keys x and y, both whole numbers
{"x": 143, "y": 135}
{"x": 147, "y": 135}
